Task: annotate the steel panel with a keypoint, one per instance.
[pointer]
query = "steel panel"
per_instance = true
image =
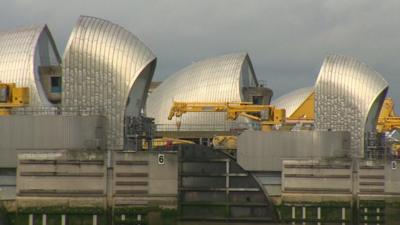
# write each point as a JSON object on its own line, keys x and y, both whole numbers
{"x": 347, "y": 96}
{"x": 218, "y": 79}
{"x": 245, "y": 198}
{"x": 106, "y": 70}
{"x": 22, "y": 51}
{"x": 292, "y": 100}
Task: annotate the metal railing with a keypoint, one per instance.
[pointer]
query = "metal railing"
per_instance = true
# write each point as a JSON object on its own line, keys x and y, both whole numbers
{"x": 54, "y": 110}
{"x": 231, "y": 127}
{"x": 262, "y": 83}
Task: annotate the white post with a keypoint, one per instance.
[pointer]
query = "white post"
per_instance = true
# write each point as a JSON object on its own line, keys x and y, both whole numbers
{"x": 293, "y": 214}
{"x": 365, "y": 217}
{"x": 378, "y": 210}
{"x": 94, "y": 219}
{"x": 343, "y": 215}
{"x": 30, "y": 219}
{"x": 319, "y": 215}
{"x": 123, "y": 217}
{"x": 44, "y": 219}
{"x": 304, "y": 215}
{"x": 63, "y": 220}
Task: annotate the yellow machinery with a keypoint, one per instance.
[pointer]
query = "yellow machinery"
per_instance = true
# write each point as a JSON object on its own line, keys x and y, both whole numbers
{"x": 227, "y": 142}
{"x": 166, "y": 142}
{"x": 387, "y": 120}
{"x": 269, "y": 115}
{"x": 304, "y": 113}
{"x": 12, "y": 97}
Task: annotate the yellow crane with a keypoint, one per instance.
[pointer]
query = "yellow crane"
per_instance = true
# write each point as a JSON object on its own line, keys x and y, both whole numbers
{"x": 12, "y": 96}
{"x": 266, "y": 115}
{"x": 165, "y": 142}
{"x": 387, "y": 120}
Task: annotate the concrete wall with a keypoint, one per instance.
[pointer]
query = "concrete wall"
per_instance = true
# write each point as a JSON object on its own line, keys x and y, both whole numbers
{"x": 19, "y": 133}
{"x": 379, "y": 178}
{"x": 81, "y": 178}
{"x": 315, "y": 177}
{"x": 305, "y": 180}
{"x": 264, "y": 151}
{"x": 48, "y": 178}
{"x": 140, "y": 180}
{"x": 392, "y": 178}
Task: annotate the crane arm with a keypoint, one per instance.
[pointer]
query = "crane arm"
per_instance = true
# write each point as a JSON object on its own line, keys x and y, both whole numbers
{"x": 249, "y": 116}
{"x": 234, "y": 109}
{"x": 269, "y": 114}
{"x": 388, "y": 124}
{"x": 179, "y": 108}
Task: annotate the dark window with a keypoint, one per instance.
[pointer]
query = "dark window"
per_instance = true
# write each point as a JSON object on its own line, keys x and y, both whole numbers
{"x": 258, "y": 100}
{"x": 55, "y": 84}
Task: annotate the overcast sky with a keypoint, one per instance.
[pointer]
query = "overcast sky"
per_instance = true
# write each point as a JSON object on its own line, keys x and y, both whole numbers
{"x": 286, "y": 40}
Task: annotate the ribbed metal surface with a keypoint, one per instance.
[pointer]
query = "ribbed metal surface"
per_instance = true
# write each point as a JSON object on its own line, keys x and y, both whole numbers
{"x": 22, "y": 51}
{"x": 348, "y": 95}
{"x": 106, "y": 69}
{"x": 218, "y": 79}
{"x": 292, "y": 100}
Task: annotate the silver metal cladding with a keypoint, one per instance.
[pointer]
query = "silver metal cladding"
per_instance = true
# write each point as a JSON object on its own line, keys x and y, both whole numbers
{"x": 218, "y": 79}
{"x": 106, "y": 69}
{"x": 292, "y": 100}
{"x": 348, "y": 96}
{"x": 22, "y": 51}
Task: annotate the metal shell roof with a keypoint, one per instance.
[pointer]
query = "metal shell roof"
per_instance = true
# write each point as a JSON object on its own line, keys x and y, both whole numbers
{"x": 22, "y": 51}
{"x": 218, "y": 79}
{"x": 292, "y": 100}
{"x": 348, "y": 96}
{"x": 106, "y": 70}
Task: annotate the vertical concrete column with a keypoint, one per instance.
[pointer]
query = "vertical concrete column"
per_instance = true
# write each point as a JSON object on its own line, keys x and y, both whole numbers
{"x": 30, "y": 219}
{"x": 378, "y": 218}
{"x": 319, "y": 215}
{"x": 63, "y": 220}
{"x": 343, "y": 215}
{"x": 303, "y": 214}
{"x": 123, "y": 217}
{"x": 365, "y": 217}
{"x": 293, "y": 214}
{"x": 44, "y": 219}
{"x": 94, "y": 219}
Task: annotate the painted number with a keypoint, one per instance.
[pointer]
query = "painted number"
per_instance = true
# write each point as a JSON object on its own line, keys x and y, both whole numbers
{"x": 394, "y": 165}
{"x": 161, "y": 159}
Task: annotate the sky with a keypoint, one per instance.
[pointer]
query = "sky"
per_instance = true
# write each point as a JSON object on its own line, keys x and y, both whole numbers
{"x": 286, "y": 40}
